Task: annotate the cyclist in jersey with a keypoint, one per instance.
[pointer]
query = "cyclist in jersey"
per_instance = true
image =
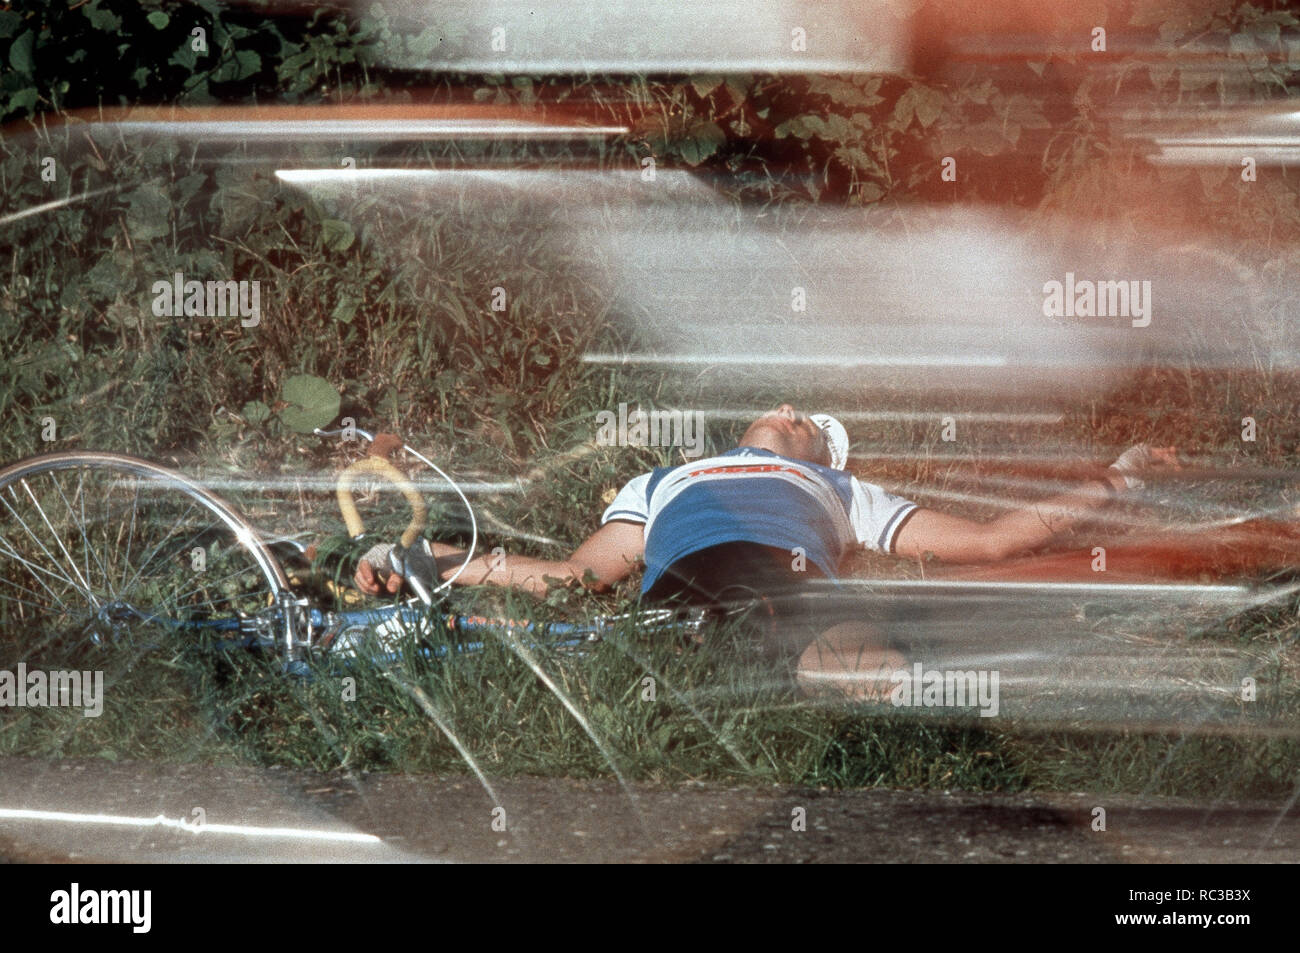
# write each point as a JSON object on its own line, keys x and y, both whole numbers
{"x": 764, "y": 517}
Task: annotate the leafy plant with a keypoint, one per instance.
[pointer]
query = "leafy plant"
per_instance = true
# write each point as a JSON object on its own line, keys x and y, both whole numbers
{"x": 308, "y": 402}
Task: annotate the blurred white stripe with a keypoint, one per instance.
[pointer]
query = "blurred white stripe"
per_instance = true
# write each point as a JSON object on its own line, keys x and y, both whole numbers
{"x": 361, "y": 129}
{"x": 180, "y": 824}
{"x": 806, "y": 360}
{"x": 679, "y": 36}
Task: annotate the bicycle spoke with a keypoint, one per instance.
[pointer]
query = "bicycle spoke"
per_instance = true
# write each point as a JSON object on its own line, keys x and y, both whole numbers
{"x": 130, "y": 533}
{"x": 108, "y": 554}
{"x": 58, "y": 486}
{"x": 37, "y": 541}
{"x": 162, "y": 542}
{"x": 10, "y": 549}
{"x": 93, "y": 550}
{"x": 13, "y": 585}
{"x": 180, "y": 597}
{"x": 46, "y": 520}
{"x": 184, "y": 550}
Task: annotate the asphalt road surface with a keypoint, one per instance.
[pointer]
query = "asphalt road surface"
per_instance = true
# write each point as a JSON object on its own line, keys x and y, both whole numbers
{"x": 124, "y": 812}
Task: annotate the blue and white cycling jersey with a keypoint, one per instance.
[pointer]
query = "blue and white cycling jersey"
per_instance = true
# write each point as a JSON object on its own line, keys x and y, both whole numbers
{"x": 754, "y": 495}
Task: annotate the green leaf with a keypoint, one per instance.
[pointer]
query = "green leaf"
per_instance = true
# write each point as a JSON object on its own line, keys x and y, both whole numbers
{"x": 249, "y": 63}
{"x": 832, "y": 128}
{"x": 160, "y": 151}
{"x": 23, "y": 99}
{"x": 159, "y": 20}
{"x": 244, "y": 64}
{"x": 336, "y": 235}
{"x": 847, "y": 93}
{"x": 127, "y": 314}
{"x": 9, "y": 21}
{"x": 148, "y": 213}
{"x": 313, "y": 402}
{"x": 978, "y": 94}
{"x": 703, "y": 85}
{"x": 987, "y": 137}
{"x": 20, "y": 52}
{"x": 1024, "y": 112}
{"x": 185, "y": 56}
{"x": 858, "y": 159}
{"x": 929, "y": 105}
{"x": 920, "y": 101}
{"x": 739, "y": 86}
{"x": 241, "y": 197}
{"x": 188, "y": 186}
{"x": 107, "y": 277}
{"x": 799, "y": 127}
{"x": 421, "y": 47}
{"x": 105, "y": 20}
{"x": 346, "y": 308}
{"x": 255, "y": 412}
{"x": 905, "y": 108}
{"x": 701, "y": 142}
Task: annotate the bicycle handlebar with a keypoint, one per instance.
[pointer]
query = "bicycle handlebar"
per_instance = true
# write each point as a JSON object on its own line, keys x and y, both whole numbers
{"x": 380, "y": 467}
{"x": 419, "y": 510}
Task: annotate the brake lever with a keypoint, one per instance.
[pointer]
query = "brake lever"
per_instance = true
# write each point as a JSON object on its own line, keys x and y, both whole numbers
{"x": 415, "y": 564}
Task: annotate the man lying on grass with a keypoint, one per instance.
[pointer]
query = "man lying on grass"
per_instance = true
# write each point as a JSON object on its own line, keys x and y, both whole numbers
{"x": 763, "y": 518}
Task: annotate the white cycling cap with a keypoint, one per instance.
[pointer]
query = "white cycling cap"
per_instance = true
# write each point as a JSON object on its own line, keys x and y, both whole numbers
{"x": 837, "y": 438}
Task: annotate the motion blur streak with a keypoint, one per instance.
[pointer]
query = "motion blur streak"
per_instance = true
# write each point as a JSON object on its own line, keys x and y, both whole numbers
{"x": 1136, "y": 591}
{"x": 117, "y": 820}
{"x": 626, "y": 36}
{"x": 705, "y": 287}
{"x": 850, "y": 416}
{"x": 854, "y": 361}
{"x": 55, "y": 204}
{"x": 365, "y": 129}
{"x": 277, "y": 125}
{"x": 1269, "y": 135}
{"x": 328, "y": 483}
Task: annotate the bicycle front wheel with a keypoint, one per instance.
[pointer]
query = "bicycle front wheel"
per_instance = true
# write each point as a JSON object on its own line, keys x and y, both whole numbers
{"x": 105, "y": 548}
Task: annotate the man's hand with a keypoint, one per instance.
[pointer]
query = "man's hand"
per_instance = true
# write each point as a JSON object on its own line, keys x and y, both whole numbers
{"x": 1141, "y": 458}
{"x": 368, "y": 581}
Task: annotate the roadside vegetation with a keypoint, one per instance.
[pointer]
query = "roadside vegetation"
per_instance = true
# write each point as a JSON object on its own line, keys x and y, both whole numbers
{"x": 381, "y": 309}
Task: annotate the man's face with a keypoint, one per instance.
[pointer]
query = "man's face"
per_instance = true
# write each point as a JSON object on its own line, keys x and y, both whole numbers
{"x": 790, "y": 433}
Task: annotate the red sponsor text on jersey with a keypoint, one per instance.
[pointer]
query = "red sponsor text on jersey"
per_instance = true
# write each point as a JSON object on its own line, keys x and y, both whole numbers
{"x": 750, "y": 468}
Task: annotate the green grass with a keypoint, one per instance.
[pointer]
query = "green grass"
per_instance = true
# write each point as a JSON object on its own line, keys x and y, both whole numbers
{"x": 739, "y": 725}
{"x": 396, "y": 317}
{"x": 719, "y": 713}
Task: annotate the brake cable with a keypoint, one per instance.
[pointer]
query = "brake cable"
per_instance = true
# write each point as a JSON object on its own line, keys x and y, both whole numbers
{"x": 377, "y": 463}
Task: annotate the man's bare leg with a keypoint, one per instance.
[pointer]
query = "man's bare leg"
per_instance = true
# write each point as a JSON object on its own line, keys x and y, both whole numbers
{"x": 849, "y": 660}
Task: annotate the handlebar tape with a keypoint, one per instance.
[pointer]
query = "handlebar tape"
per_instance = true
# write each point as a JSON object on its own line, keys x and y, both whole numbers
{"x": 380, "y": 467}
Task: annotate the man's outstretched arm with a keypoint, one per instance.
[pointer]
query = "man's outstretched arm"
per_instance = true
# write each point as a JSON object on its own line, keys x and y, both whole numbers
{"x": 954, "y": 539}
{"x": 610, "y": 554}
